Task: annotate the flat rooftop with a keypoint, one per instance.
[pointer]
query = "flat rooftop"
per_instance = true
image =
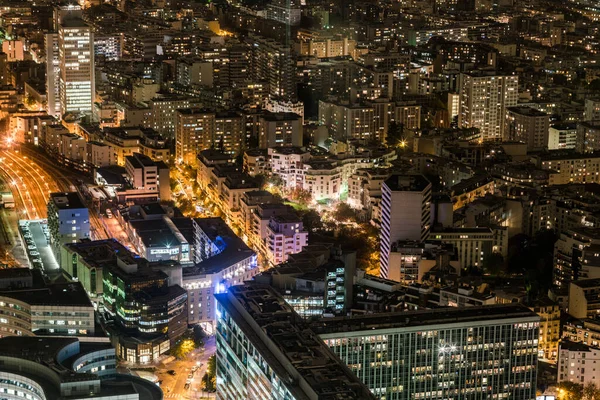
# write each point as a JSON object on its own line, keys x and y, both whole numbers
{"x": 58, "y": 294}
{"x": 587, "y": 283}
{"x": 285, "y": 334}
{"x": 67, "y": 200}
{"x": 407, "y": 183}
{"x": 411, "y": 319}
{"x": 526, "y": 111}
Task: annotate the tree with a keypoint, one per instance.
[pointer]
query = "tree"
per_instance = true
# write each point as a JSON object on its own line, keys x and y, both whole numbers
{"x": 570, "y": 391}
{"x": 493, "y": 263}
{"x": 343, "y": 212}
{"x": 395, "y": 135}
{"x": 595, "y": 85}
{"x": 301, "y": 196}
{"x": 591, "y": 392}
{"x": 209, "y": 379}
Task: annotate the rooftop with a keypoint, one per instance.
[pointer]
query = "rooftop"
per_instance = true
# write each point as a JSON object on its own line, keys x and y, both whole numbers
{"x": 58, "y": 294}
{"x": 422, "y": 318}
{"x": 587, "y": 283}
{"x": 405, "y": 183}
{"x": 526, "y": 111}
{"x": 276, "y": 331}
{"x": 67, "y": 201}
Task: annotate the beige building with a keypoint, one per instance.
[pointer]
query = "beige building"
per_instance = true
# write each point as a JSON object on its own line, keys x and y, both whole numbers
{"x": 549, "y": 313}
{"x": 527, "y": 125}
{"x": 280, "y": 130}
{"x": 584, "y": 298}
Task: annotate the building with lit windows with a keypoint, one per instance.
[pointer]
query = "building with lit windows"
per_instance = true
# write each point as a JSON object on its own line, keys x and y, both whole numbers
{"x": 570, "y": 167}
{"x": 405, "y": 213}
{"x": 264, "y": 350}
{"x": 68, "y": 220}
{"x": 484, "y": 99}
{"x": 577, "y": 363}
{"x": 451, "y": 353}
{"x": 31, "y": 307}
{"x": 148, "y": 311}
{"x": 63, "y": 368}
{"x": 472, "y": 245}
{"x": 221, "y": 260}
{"x": 527, "y": 125}
{"x": 562, "y": 137}
{"x": 76, "y": 62}
{"x": 280, "y": 130}
{"x": 576, "y": 256}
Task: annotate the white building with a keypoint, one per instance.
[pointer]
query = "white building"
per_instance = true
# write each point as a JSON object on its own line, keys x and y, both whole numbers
{"x": 222, "y": 260}
{"x": 285, "y": 236}
{"x": 288, "y": 164}
{"x": 578, "y": 363}
{"x": 405, "y": 213}
{"x": 562, "y": 136}
{"x": 68, "y": 219}
{"x": 145, "y": 174}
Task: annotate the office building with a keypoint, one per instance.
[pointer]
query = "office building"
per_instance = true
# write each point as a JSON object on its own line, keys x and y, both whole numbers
{"x": 76, "y": 63}
{"x": 68, "y": 220}
{"x": 63, "y": 368}
{"x": 398, "y": 356}
{"x": 527, "y": 125}
{"x": 265, "y": 350}
{"x": 484, "y": 100}
{"x": 31, "y": 306}
{"x": 148, "y": 313}
{"x": 415, "y": 351}
{"x": 52, "y": 75}
{"x": 405, "y": 213}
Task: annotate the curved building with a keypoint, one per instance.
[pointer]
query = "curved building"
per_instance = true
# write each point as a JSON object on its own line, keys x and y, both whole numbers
{"x": 61, "y": 368}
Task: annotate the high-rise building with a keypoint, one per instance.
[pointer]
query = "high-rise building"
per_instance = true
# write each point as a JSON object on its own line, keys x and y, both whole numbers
{"x": 76, "y": 62}
{"x": 266, "y": 350}
{"x": 280, "y": 130}
{"x": 405, "y": 213}
{"x": 451, "y": 353}
{"x": 68, "y": 220}
{"x": 484, "y": 99}
{"x": 52, "y": 74}
{"x": 562, "y": 137}
{"x": 274, "y": 62}
{"x": 200, "y": 129}
{"x": 527, "y": 125}
{"x": 456, "y": 353}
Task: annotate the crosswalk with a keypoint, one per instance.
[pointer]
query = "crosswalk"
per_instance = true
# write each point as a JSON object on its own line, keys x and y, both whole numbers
{"x": 172, "y": 396}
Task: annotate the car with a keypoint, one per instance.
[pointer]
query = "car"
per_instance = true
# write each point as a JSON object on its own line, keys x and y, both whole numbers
{"x": 34, "y": 253}
{"x": 31, "y": 247}
{"x": 28, "y": 236}
{"x": 109, "y": 213}
{"x": 194, "y": 369}
{"x": 172, "y": 372}
{"x": 191, "y": 376}
{"x": 194, "y": 198}
{"x": 186, "y": 386}
{"x": 36, "y": 260}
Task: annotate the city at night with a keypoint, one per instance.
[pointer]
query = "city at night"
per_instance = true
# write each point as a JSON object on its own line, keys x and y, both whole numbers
{"x": 300, "y": 199}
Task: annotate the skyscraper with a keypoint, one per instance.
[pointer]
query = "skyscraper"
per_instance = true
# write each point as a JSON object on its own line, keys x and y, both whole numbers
{"x": 405, "y": 213}
{"x": 483, "y": 102}
{"x": 70, "y": 68}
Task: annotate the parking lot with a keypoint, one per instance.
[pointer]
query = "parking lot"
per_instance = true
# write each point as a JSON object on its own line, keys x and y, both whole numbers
{"x": 35, "y": 237}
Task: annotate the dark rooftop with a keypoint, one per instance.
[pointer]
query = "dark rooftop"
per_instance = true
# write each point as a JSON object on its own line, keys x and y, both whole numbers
{"x": 67, "y": 201}
{"x": 406, "y": 183}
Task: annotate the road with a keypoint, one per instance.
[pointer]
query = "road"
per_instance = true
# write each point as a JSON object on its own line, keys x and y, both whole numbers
{"x": 174, "y": 386}
{"x": 65, "y": 182}
{"x": 30, "y": 183}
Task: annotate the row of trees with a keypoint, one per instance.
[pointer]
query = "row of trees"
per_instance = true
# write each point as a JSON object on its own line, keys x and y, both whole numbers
{"x": 575, "y": 391}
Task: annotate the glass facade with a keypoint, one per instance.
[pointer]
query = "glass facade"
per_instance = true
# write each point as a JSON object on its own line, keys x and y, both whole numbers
{"x": 242, "y": 372}
{"x": 496, "y": 360}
